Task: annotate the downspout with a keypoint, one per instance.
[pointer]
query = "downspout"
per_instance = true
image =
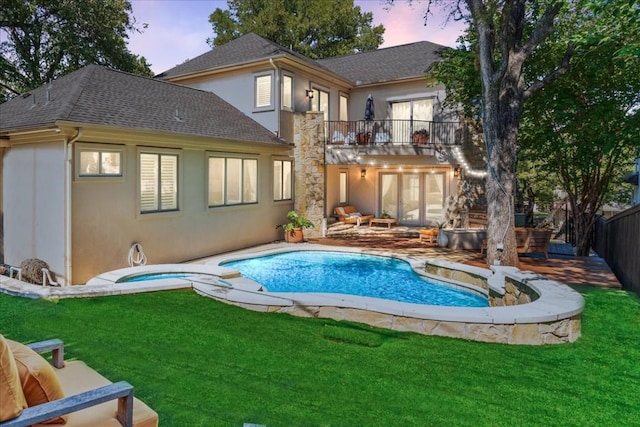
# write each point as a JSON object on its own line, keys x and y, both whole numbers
{"x": 278, "y": 95}
{"x": 68, "y": 207}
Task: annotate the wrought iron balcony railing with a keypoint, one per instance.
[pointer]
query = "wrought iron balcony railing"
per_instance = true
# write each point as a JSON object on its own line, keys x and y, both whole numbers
{"x": 393, "y": 132}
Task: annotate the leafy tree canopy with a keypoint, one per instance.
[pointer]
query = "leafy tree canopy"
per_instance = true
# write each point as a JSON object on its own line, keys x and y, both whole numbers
{"x": 44, "y": 39}
{"x": 317, "y": 29}
{"x": 580, "y": 131}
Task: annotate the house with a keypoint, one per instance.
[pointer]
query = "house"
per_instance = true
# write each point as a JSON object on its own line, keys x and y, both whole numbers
{"x": 388, "y": 144}
{"x": 100, "y": 159}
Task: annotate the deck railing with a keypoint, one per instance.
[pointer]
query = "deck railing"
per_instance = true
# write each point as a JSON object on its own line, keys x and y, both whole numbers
{"x": 396, "y": 132}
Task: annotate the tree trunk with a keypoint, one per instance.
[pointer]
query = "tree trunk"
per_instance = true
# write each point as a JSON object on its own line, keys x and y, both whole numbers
{"x": 584, "y": 232}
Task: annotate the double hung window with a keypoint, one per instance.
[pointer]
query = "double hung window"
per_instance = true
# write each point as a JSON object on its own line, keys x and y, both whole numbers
{"x": 232, "y": 181}
{"x": 158, "y": 182}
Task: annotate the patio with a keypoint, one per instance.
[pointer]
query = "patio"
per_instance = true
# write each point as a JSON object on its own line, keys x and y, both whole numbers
{"x": 562, "y": 265}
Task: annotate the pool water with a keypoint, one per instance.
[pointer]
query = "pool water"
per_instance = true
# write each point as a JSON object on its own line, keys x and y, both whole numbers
{"x": 353, "y": 274}
{"x": 154, "y": 276}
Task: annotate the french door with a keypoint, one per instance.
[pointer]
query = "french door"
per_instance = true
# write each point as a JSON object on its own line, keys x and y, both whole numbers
{"x": 416, "y": 199}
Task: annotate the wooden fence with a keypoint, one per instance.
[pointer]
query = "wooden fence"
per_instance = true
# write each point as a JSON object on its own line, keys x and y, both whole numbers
{"x": 617, "y": 240}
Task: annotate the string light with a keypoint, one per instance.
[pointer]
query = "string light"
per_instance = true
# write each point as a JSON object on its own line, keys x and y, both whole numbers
{"x": 467, "y": 169}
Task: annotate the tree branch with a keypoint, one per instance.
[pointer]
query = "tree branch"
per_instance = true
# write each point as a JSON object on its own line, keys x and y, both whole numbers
{"x": 543, "y": 28}
{"x": 559, "y": 71}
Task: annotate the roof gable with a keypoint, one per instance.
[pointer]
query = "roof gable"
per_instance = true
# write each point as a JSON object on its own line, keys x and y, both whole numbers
{"x": 388, "y": 64}
{"x": 103, "y": 96}
{"x": 247, "y": 48}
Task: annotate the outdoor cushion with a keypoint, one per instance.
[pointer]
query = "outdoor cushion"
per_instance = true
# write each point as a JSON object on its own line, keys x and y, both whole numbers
{"x": 13, "y": 401}
{"x": 76, "y": 377}
{"x": 39, "y": 380}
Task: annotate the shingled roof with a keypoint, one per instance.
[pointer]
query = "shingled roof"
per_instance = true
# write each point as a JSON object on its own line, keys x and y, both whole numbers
{"x": 103, "y": 96}
{"x": 245, "y": 49}
{"x": 388, "y": 64}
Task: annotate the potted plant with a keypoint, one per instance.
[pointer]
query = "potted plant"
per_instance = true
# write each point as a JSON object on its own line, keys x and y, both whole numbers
{"x": 420, "y": 137}
{"x": 293, "y": 230}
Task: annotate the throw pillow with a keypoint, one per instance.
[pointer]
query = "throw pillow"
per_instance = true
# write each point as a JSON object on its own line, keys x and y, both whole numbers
{"x": 13, "y": 401}
{"x": 40, "y": 383}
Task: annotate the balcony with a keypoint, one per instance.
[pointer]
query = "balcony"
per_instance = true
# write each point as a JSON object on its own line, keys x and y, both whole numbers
{"x": 393, "y": 132}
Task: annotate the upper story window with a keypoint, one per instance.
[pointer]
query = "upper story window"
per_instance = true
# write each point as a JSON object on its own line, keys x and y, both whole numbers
{"x": 232, "y": 181}
{"x": 263, "y": 91}
{"x": 158, "y": 182}
{"x": 282, "y": 180}
{"x": 320, "y": 102}
{"x": 344, "y": 108}
{"x": 100, "y": 162}
{"x": 287, "y": 92}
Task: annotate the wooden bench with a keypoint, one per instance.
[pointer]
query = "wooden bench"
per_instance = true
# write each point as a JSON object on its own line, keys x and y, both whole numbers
{"x": 529, "y": 240}
{"x": 350, "y": 215}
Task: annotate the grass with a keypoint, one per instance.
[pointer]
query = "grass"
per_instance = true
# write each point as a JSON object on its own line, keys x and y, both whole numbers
{"x": 198, "y": 362}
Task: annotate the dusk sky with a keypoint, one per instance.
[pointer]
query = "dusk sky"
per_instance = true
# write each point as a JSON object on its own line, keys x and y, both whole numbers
{"x": 178, "y": 29}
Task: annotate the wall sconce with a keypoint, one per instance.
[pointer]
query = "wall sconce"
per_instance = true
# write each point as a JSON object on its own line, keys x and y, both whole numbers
{"x": 310, "y": 93}
{"x": 456, "y": 172}
{"x": 363, "y": 173}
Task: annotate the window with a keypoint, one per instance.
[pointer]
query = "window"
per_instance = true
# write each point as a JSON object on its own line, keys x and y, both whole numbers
{"x": 263, "y": 91}
{"x": 320, "y": 102}
{"x": 344, "y": 108}
{"x": 100, "y": 163}
{"x": 287, "y": 92}
{"x": 343, "y": 188}
{"x": 232, "y": 181}
{"x": 282, "y": 180}
{"x": 158, "y": 182}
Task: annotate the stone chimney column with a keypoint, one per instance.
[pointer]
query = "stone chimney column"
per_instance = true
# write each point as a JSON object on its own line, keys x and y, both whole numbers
{"x": 309, "y": 169}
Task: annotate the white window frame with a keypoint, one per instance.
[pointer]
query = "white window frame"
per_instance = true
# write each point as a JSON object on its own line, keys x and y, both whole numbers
{"x": 287, "y": 101}
{"x": 343, "y": 110}
{"x": 99, "y": 150}
{"x": 343, "y": 187}
{"x": 225, "y": 189}
{"x": 160, "y": 153}
{"x": 282, "y": 183}
{"x": 258, "y": 83}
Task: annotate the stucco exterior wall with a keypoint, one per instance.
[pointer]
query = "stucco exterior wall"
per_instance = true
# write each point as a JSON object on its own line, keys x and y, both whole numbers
{"x": 33, "y": 193}
{"x": 106, "y": 218}
{"x": 384, "y": 94}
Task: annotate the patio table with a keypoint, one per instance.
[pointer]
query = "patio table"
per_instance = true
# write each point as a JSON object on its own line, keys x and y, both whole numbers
{"x": 387, "y": 221}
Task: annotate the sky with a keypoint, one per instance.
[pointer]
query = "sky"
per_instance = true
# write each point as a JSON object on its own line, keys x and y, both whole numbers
{"x": 178, "y": 29}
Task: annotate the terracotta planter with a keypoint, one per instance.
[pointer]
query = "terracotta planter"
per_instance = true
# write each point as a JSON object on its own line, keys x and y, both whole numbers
{"x": 294, "y": 236}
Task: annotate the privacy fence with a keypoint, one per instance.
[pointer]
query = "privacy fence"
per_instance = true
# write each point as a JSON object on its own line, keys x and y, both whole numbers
{"x": 617, "y": 240}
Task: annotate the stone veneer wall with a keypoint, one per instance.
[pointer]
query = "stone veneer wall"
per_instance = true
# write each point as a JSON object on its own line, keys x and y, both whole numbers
{"x": 309, "y": 168}
{"x": 557, "y": 332}
{"x": 515, "y": 293}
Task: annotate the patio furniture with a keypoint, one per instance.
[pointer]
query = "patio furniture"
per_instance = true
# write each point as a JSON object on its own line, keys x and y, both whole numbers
{"x": 350, "y": 215}
{"x": 529, "y": 240}
{"x": 386, "y": 221}
{"x": 429, "y": 235}
{"x": 66, "y": 391}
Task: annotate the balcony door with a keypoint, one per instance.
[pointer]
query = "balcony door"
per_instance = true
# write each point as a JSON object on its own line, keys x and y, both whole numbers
{"x": 410, "y": 116}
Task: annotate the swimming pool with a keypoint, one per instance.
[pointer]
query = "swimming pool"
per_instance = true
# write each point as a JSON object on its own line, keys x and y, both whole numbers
{"x": 351, "y": 274}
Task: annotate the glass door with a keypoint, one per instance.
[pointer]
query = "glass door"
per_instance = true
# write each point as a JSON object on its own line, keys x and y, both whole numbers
{"x": 410, "y": 212}
{"x": 389, "y": 194}
{"x": 433, "y": 197}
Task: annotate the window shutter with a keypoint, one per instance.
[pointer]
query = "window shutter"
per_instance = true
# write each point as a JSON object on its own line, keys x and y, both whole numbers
{"x": 148, "y": 182}
{"x": 169, "y": 182}
{"x": 263, "y": 91}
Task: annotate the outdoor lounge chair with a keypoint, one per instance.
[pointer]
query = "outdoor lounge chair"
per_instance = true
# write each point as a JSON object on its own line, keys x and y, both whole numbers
{"x": 350, "y": 215}
{"x": 32, "y": 391}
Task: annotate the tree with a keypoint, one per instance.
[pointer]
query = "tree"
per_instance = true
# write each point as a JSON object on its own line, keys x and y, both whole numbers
{"x": 583, "y": 129}
{"x": 317, "y": 29}
{"x": 46, "y": 39}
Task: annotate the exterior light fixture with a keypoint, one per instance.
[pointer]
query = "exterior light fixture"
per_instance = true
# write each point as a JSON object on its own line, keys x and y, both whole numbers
{"x": 310, "y": 93}
{"x": 363, "y": 173}
{"x": 456, "y": 172}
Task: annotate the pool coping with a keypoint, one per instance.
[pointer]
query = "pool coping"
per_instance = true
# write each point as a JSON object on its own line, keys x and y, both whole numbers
{"x": 551, "y": 318}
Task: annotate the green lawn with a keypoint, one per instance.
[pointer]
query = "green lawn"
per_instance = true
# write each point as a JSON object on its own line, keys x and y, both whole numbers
{"x": 198, "y": 362}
